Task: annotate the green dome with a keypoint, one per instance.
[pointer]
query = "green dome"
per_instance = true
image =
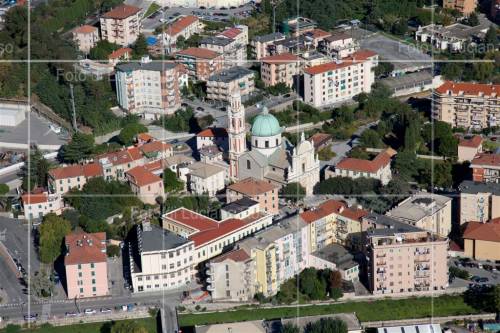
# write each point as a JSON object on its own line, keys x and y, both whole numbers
{"x": 265, "y": 124}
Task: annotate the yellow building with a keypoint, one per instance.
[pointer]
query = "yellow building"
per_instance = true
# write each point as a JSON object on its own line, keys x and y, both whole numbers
{"x": 482, "y": 240}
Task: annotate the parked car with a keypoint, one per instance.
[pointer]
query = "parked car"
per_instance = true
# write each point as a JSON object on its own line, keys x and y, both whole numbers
{"x": 31, "y": 317}
{"x": 71, "y": 314}
{"x": 105, "y": 310}
{"x": 90, "y": 311}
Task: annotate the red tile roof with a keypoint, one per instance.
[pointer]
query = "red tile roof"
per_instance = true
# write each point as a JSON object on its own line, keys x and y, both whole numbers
{"x": 92, "y": 170}
{"x": 85, "y": 29}
{"x": 473, "y": 142}
{"x": 319, "y": 139}
{"x": 214, "y": 132}
{"x": 318, "y": 33}
{"x": 122, "y": 156}
{"x": 142, "y": 176}
{"x": 489, "y": 231}
{"x": 122, "y": 12}
{"x": 355, "y": 58}
{"x": 198, "y": 52}
{"x": 85, "y": 248}
{"x": 354, "y": 213}
{"x": 155, "y": 146}
{"x": 120, "y": 53}
{"x": 356, "y": 164}
{"x": 144, "y": 137}
{"x": 490, "y": 160}
{"x": 77, "y": 170}
{"x": 467, "y": 88}
{"x": 251, "y": 186}
{"x": 326, "y": 208}
{"x": 221, "y": 229}
{"x": 282, "y": 58}
{"x": 192, "y": 219}
{"x": 31, "y": 198}
{"x": 238, "y": 255}
{"x": 181, "y": 24}
{"x": 231, "y": 33}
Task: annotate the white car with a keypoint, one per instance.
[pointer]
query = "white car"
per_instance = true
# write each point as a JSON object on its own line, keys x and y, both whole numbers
{"x": 105, "y": 310}
{"x": 90, "y": 311}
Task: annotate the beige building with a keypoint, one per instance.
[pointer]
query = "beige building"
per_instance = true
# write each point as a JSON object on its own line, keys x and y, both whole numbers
{"x": 465, "y": 7}
{"x": 205, "y": 178}
{"x": 85, "y": 37}
{"x": 431, "y": 212}
{"x": 160, "y": 259}
{"x": 403, "y": 258}
{"x": 262, "y": 46}
{"x": 37, "y": 205}
{"x": 467, "y": 105}
{"x": 61, "y": 180}
{"x": 469, "y": 148}
{"x": 280, "y": 68}
{"x": 486, "y": 168}
{"x": 200, "y": 63}
{"x": 482, "y": 240}
{"x": 222, "y": 84}
{"x": 145, "y": 185}
{"x": 339, "y": 45}
{"x": 185, "y": 27}
{"x": 339, "y": 81}
{"x": 121, "y": 25}
{"x": 479, "y": 202}
{"x": 265, "y": 193}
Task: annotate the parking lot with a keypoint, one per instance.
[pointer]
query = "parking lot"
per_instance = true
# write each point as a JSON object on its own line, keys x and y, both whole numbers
{"x": 485, "y": 273}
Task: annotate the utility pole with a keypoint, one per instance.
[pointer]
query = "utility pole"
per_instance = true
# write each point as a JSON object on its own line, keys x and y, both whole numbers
{"x": 274, "y": 4}
{"x": 73, "y": 106}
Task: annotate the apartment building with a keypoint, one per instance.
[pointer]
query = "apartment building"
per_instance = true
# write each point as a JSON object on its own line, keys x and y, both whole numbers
{"x": 62, "y": 179}
{"x": 86, "y": 266}
{"x": 234, "y": 52}
{"x": 150, "y": 89}
{"x": 336, "y": 258}
{"x": 280, "y": 68}
{"x": 121, "y": 25}
{"x": 221, "y": 85}
{"x": 210, "y": 236}
{"x": 263, "y": 46}
{"x": 339, "y": 81}
{"x": 205, "y": 178}
{"x": 265, "y": 193}
{"x": 482, "y": 240}
{"x": 37, "y": 205}
{"x": 403, "y": 258}
{"x": 338, "y": 45}
{"x": 85, "y": 37}
{"x": 185, "y": 27}
{"x": 239, "y": 33}
{"x": 297, "y": 26}
{"x": 468, "y": 148}
{"x": 316, "y": 36}
{"x": 479, "y": 202}
{"x": 145, "y": 184}
{"x": 465, "y": 7}
{"x": 160, "y": 259}
{"x": 239, "y": 209}
{"x": 486, "y": 168}
{"x": 213, "y": 136}
{"x": 377, "y": 168}
{"x": 200, "y": 63}
{"x": 122, "y": 54}
{"x": 430, "y": 212}
{"x": 467, "y": 105}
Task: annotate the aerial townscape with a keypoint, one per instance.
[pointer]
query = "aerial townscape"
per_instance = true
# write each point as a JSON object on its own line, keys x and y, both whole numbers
{"x": 235, "y": 166}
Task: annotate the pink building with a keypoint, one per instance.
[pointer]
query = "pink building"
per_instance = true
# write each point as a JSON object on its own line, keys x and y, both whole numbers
{"x": 86, "y": 265}
{"x": 266, "y": 194}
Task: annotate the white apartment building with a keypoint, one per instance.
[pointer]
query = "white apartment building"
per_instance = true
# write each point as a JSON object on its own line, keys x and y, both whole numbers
{"x": 40, "y": 204}
{"x": 235, "y": 53}
{"x": 121, "y": 25}
{"x": 263, "y": 46}
{"x": 205, "y": 178}
{"x": 339, "y": 45}
{"x": 340, "y": 81}
{"x": 85, "y": 37}
{"x": 222, "y": 84}
{"x": 150, "y": 89}
{"x": 160, "y": 259}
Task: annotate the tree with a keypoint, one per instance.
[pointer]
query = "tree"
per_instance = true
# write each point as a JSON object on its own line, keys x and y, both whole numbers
{"x": 52, "y": 232}
{"x": 327, "y": 325}
{"x": 35, "y": 173}
{"x": 79, "y": 148}
{"x": 129, "y": 131}
{"x": 473, "y": 20}
{"x": 41, "y": 284}
{"x": 128, "y": 327}
{"x": 113, "y": 250}
{"x": 383, "y": 69}
{"x": 370, "y": 139}
{"x": 171, "y": 182}
{"x": 140, "y": 47}
{"x": 495, "y": 298}
{"x": 293, "y": 192}
{"x": 102, "y": 49}
{"x": 290, "y": 328}
{"x": 400, "y": 27}
{"x": 405, "y": 164}
{"x": 491, "y": 38}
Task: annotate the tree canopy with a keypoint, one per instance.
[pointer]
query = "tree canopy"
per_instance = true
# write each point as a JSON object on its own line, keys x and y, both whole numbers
{"x": 293, "y": 192}
{"x": 79, "y": 148}
{"x": 51, "y": 235}
{"x": 129, "y": 131}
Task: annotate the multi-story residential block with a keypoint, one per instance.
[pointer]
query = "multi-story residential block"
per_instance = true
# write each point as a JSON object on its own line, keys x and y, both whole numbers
{"x": 145, "y": 184}
{"x": 316, "y": 36}
{"x": 239, "y": 209}
{"x": 479, "y": 202}
{"x": 467, "y": 105}
{"x": 185, "y": 26}
{"x": 482, "y": 240}
{"x": 86, "y": 265}
{"x": 239, "y": 33}
{"x": 339, "y": 45}
{"x": 263, "y": 46}
{"x": 431, "y": 212}
{"x": 486, "y": 168}
{"x": 206, "y": 178}
{"x": 221, "y": 85}
{"x": 336, "y": 258}
{"x": 214, "y": 136}
{"x": 121, "y": 25}
{"x": 150, "y": 89}
{"x": 469, "y": 148}
{"x": 403, "y": 258}
{"x": 265, "y": 193}
{"x": 122, "y": 54}
{"x": 280, "y": 68}
{"x": 200, "y": 63}
{"x": 62, "y": 179}
{"x": 377, "y": 168}
{"x": 234, "y": 52}
{"x": 339, "y": 81}
{"x": 37, "y": 205}
{"x": 210, "y": 236}
{"x": 465, "y": 7}
{"x": 297, "y": 26}
{"x": 160, "y": 259}
{"x": 85, "y": 37}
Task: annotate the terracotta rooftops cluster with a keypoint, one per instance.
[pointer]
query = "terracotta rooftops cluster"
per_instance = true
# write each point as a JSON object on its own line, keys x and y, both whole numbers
{"x": 84, "y": 248}
{"x": 355, "y": 58}
{"x": 121, "y": 12}
{"x": 467, "y": 88}
{"x": 473, "y": 142}
{"x": 330, "y": 207}
{"x": 372, "y": 166}
{"x": 251, "y": 186}
{"x": 489, "y": 231}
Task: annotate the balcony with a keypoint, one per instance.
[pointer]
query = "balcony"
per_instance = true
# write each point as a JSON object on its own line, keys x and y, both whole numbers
{"x": 209, "y": 272}
{"x": 209, "y": 280}
{"x": 210, "y": 287}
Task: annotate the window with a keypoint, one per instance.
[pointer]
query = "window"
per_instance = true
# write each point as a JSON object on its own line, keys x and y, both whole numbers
{"x": 92, "y": 265}
{"x": 267, "y": 144}
{"x": 248, "y": 165}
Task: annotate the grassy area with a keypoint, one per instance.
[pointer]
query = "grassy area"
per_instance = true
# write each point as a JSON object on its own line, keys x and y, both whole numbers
{"x": 153, "y": 8}
{"x": 385, "y": 309}
{"x": 148, "y": 323}
{"x": 326, "y": 153}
